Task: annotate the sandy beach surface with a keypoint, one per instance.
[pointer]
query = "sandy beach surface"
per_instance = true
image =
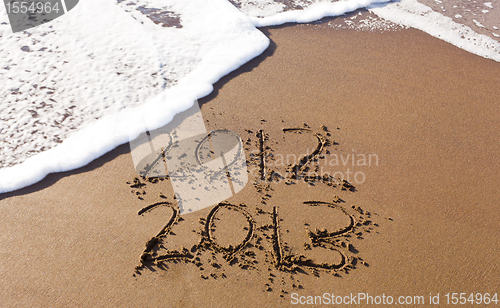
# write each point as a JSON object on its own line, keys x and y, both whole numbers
{"x": 419, "y": 216}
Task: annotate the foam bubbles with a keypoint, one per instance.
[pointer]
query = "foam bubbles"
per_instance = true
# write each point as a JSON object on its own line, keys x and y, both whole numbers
{"x": 96, "y": 70}
{"x": 75, "y": 88}
{"x": 414, "y": 14}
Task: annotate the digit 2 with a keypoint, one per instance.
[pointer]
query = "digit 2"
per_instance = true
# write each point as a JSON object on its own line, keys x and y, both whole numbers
{"x": 149, "y": 254}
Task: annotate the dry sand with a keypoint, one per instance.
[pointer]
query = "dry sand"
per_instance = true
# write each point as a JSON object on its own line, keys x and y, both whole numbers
{"x": 424, "y": 220}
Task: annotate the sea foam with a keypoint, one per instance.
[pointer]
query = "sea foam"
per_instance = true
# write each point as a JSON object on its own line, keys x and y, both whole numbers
{"x": 313, "y": 12}
{"x": 416, "y": 15}
{"x": 116, "y": 68}
{"x": 75, "y": 88}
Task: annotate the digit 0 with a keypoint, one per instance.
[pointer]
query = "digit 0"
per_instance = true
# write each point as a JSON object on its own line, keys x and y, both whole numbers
{"x": 229, "y": 250}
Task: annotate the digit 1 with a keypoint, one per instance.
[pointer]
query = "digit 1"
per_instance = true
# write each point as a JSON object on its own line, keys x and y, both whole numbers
{"x": 262, "y": 155}
{"x": 278, "y": 254}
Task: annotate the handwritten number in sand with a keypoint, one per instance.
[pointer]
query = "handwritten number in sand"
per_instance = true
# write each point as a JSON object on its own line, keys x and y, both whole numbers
{"x": 296, "y": 169}
{"x": 152, "y": 246}
{"x": 209, "y": 225}
{"x": 328, "y": 239}
{"x": 335, "y": 239}
{"x": 301, "y": 165}
{"x": 319, "y": 238}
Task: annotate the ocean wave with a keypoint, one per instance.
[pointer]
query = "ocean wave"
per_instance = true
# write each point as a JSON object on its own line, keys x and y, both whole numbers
{"x": 117, "y": 68}
{"x": 416, "y": 15}
{"x": 75, "y": 88}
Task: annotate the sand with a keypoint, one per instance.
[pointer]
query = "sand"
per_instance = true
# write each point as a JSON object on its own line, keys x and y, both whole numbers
{"x": 420, "y": 218}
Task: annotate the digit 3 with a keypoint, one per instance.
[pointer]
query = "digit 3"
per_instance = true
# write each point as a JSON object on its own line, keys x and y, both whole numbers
{"x": 321, "y": 236}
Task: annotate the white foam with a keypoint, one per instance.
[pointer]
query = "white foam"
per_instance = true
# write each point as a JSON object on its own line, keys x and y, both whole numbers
{"x": 414, "y": 14}
{"x": 215, "y": 39}
{"x": 478, "y": 23}
{"x": 314, "y": 12}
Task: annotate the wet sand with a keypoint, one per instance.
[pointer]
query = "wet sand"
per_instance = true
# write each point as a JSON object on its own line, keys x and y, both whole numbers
{"x": 421, "y": 217}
